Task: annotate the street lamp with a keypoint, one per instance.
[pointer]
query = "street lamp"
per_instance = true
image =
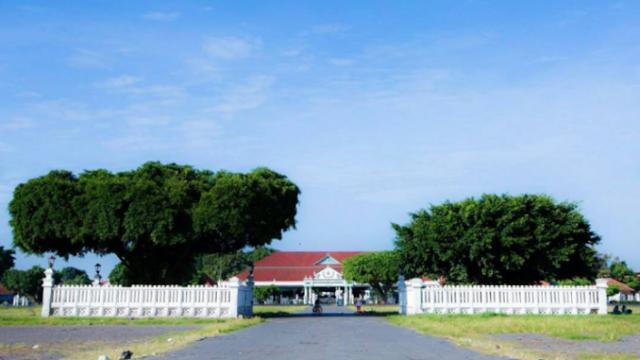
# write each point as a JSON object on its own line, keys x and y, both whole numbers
{"x": 51, "y": 259}
{"x": 98, "y": 268}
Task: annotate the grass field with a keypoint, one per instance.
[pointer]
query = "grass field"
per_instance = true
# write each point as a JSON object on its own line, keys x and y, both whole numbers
{"x": 267, "y": 311}
{"x": 474, "y": 331}
{"x": 30, "y": 316}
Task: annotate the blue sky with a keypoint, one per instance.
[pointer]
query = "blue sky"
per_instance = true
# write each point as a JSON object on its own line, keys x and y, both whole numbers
{"x": 375, "y": 109}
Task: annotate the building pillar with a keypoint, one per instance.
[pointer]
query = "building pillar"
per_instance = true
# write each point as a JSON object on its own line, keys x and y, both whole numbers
{"x": 305, "y": 298}
{"x": 347, "y": 295}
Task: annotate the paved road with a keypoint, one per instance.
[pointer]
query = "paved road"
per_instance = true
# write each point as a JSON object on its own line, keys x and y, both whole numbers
{"x": 335, "y": 335}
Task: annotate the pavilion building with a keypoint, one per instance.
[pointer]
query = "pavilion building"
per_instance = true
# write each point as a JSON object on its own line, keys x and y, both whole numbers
{"x": 304, "y": 276}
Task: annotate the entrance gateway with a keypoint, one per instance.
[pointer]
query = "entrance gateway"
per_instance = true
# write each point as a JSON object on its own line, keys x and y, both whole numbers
{"x": 304, "y": 276}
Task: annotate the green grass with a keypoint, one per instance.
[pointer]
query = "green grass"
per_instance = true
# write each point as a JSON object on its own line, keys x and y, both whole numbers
{"x": 379, "y": 310}
{"x": 267, "y": 311}
{"x": 30, "y": 316}
{"x": 474, "y": 331}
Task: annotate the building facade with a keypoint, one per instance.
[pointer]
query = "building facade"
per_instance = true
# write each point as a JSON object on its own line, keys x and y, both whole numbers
{"x": 304, "y": 276}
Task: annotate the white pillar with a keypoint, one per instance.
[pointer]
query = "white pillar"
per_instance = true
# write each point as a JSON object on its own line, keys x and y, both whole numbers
{"x": 47, "y": 290}
{"x": 414, "y": 296}
{"x": 602, "y": 286}
{"x": 349, "y": 296}
{"x": 402, "y": 296}
{"x": 234, "y": 287}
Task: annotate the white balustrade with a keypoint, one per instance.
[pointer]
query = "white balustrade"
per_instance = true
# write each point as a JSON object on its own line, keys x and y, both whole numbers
{"x": 417, "y": 296}
{"x": 228, "y": 300}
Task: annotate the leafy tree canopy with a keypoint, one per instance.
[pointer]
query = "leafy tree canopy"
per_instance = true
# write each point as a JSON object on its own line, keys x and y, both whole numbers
{"x": 155, "y": 219}
{"x": 25, "y": 282}
{"x": 223, "y": 266}
{"x": 262, "y": 293}
{"x": 378, "y": 269}
{"x": 577, "y": 281}
{"x": 499, "y": 239}
{"x": 7, "y": 259}
{"x": 619, "y": 270}
{"x": 72, "y": 276}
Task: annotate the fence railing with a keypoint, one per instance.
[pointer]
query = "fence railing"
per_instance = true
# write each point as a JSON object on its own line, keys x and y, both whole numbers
{"x": 417, "y": 296}
{"x": 228, "y": 300}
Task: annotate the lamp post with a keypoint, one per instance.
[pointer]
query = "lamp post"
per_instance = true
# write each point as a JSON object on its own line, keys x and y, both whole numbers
{"x": 51, "y": 260}
{"x": 97, "y": 279}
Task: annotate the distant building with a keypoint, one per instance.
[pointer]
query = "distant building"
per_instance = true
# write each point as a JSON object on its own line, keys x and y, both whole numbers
{"x": 6, "y": 296}
{"x": 626, "y": 293}
{"x": 304, "y": 276}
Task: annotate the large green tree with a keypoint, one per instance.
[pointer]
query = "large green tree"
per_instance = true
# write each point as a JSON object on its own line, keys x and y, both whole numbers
{"x": 378, "y": 269}
{"x": 499, "y": 239}
{"x": 7, "y": 259}
{"x": 155, "y": 219}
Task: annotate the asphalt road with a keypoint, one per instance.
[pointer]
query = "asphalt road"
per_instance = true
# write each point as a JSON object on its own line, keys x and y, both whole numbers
{"x": 337, "y": 334}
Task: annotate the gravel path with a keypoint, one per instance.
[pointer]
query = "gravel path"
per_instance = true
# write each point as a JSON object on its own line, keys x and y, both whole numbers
{"x": 572, "y": 348}
{"x": 337, "y": 334}
{"x": 62, "y": 334}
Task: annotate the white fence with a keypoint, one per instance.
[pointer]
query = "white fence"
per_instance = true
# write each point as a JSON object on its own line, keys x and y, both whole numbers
{"x": 229, "y": 300}
{"x": 417, "y": 297}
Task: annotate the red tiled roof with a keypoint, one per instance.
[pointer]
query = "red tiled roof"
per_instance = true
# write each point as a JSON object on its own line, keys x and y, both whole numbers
{"x": 624, "y": 288}
{"x": 294, "y": 265}
{"x": 4, "y": 290}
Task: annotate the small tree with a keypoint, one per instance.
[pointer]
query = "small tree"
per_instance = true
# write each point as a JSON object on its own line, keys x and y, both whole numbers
{"x": 25, "y": 282}
{"x": 223, "y": 266}
{"x": 620, "y": 271}
{"x": 262, "y": 293}
{"x": 72, "y": 276}
{"x": 612, "y": 290}
{"x": 577, "y": 281}
{"x": 120, "y": 276}
{"x": 378, "y": 269}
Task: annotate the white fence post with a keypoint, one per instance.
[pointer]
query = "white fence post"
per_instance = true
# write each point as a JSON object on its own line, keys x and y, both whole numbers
{"x": 402, "y": 296}
{"x": 47, "y": 289}
{"x": 414, "y": 296}
{"x": 234, "y": 287}
{"x": 601, "y": 285}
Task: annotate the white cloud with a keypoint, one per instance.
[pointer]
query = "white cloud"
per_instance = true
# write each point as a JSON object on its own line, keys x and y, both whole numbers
{"x": 246, "y": 96}
{"x": 340, "y": 61}
{"x": 230, "y": 48}
{"x": 118, "y": 82}
{"x": 160, "y": 16}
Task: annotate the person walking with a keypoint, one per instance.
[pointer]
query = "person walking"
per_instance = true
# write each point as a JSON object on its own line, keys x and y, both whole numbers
{"x": 359, "y": 305}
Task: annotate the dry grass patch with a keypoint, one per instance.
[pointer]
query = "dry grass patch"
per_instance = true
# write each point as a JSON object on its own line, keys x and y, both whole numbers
{"x": 161, "y": 344}
{"x": 474, "y": 331}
